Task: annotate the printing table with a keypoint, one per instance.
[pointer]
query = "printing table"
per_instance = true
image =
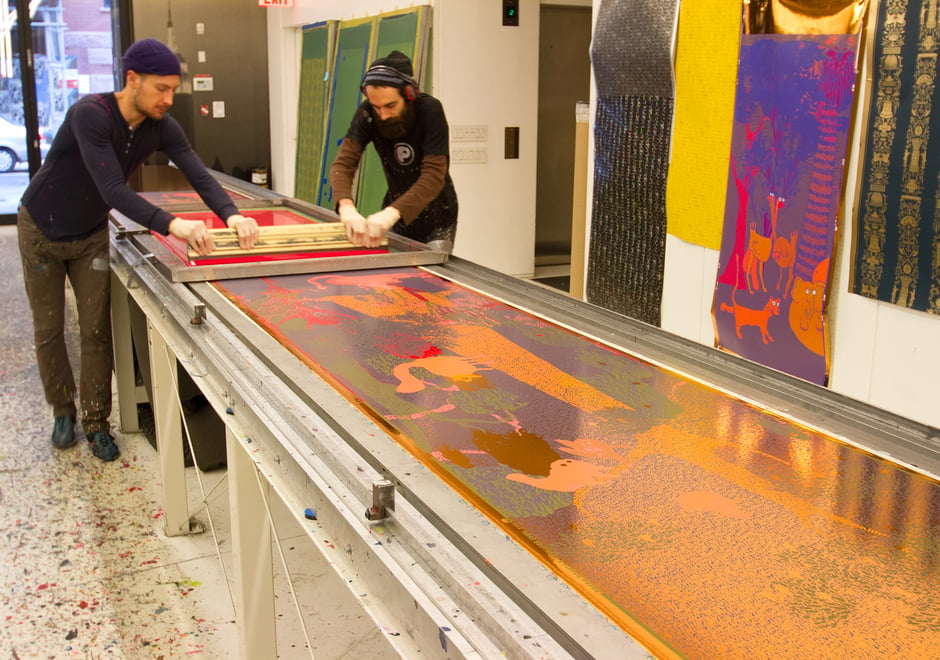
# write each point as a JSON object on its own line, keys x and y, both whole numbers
{"x": 529, "y": 476}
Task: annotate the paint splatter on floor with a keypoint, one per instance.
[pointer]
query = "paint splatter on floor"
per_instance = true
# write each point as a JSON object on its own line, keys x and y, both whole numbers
{"x": 87, "y": 571}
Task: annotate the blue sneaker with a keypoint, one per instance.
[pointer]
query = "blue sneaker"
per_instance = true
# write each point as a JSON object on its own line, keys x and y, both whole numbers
{"x": 103, "y": 447}
{"x": 63, "y": 433}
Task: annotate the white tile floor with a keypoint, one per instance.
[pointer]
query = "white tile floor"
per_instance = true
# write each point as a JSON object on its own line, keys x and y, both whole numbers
{"x": 87, "y": 569}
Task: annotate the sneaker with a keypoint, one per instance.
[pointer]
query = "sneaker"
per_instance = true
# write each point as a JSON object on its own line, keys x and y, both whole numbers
{"x": 103, "y": 447}
{"x": 63, "y": 433}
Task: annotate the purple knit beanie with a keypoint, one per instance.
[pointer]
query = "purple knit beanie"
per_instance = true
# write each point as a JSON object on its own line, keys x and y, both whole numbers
{"x": 151, "y": 56}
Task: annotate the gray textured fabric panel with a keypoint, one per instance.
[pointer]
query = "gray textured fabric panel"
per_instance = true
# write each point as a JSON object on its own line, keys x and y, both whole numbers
{"x": 628, "y": 226}
{"x": 632, "y": 48}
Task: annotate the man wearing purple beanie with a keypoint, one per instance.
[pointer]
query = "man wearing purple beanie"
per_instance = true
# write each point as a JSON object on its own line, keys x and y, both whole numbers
{"x": 62, "y": 227}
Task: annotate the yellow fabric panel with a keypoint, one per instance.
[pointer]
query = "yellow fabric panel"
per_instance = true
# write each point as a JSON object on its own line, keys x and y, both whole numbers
{"x": 706, "y": 68}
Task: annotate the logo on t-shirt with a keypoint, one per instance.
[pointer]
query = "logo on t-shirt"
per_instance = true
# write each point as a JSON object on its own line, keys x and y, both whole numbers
{"x": 404, "y": 154}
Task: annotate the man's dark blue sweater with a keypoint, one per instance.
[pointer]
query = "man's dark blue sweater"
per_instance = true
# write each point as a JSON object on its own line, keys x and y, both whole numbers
{"x": 91, "y": 158}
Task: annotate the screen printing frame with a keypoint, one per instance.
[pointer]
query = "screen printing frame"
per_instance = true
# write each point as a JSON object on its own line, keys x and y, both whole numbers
{"x": 401, "y": 251}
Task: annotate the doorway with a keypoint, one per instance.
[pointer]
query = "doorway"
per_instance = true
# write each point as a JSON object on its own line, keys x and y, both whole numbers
{"x": 52, "y": 52}
{"x": 564, "y": 80}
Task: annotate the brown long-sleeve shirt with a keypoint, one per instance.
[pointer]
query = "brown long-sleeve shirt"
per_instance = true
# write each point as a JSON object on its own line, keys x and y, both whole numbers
{"x": 422, "y": 192}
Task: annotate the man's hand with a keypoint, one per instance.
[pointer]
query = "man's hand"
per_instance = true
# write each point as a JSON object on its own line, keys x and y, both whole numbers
{"x": 195, "y": 233}
{"x": 353, "y": 221}
{"x": 246, "y": 228}
{"x": 378, "y": 224}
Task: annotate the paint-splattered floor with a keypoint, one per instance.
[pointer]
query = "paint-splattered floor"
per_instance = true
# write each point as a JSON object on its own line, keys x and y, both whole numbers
{"x": 87, "y": 571}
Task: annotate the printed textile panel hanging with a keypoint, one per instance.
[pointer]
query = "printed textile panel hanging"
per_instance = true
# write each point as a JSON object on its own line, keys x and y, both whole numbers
{"x": 628, "y": 225}
{"x": 792, "y": 116}
{"x": 706, "y": 64}
{"x": 897, "y": 237}
{"x": 313, "y": 101}
{"x": 631, "y": 55}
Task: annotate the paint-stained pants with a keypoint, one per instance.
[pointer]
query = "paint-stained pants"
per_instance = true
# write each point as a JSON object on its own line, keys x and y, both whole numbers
{"x": 86, "y": 263}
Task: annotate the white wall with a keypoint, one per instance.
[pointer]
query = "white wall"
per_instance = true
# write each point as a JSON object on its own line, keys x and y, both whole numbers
{"x": 486, "y": 74}
{"x": 483, "y": 73}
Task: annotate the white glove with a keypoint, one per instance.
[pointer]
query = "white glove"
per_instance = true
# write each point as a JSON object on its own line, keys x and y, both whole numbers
{"x": 379, "y": 223}
{"x": 354, "y": 222}
{"x": 195, "y": 233}
{"x": 246, "y": 228}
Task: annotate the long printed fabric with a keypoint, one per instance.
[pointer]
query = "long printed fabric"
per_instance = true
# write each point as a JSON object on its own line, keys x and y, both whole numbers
{"x": 792, "y": 115}
{"x": 704, "y": 526}
{"x": 897, "y": 244}
{"x": 631, "y": 54}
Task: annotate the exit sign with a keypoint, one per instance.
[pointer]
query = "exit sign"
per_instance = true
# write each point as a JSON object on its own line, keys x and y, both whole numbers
{"x": 275, "y": 3}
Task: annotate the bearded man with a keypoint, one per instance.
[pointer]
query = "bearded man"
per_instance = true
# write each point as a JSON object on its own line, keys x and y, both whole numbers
{"x": 409, "y": 132}
{"x": 62, "y": 228}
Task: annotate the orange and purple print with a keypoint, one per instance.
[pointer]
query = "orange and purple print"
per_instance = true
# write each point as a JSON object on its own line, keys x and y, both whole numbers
{"x": 703, "y": 525}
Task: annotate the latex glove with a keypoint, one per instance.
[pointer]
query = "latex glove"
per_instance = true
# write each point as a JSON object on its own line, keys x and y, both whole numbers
{"x": 354, "y": 222}
{"x": 195, "y": 233}
{"x": 246, "y": 228}
{"x": 378, "y": 224}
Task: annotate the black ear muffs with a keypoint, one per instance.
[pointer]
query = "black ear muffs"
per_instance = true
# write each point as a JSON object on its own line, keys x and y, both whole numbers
{"x": 381, "y": 74}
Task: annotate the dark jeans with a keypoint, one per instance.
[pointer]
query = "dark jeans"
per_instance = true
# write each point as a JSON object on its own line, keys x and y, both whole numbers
{"x": 86, "y": 263}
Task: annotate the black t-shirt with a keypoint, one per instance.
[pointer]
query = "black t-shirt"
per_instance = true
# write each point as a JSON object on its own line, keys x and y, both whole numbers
{"x": 401, "y": 160}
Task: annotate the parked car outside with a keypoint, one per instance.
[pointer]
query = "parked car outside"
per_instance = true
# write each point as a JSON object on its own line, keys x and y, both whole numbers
{"x": 13, "y": 145}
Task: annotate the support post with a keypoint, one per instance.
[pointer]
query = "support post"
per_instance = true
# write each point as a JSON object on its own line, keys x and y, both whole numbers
{"x": 251, "y": 551}
{"x": 169, "y": 430}
{"x": 123, "y": 357}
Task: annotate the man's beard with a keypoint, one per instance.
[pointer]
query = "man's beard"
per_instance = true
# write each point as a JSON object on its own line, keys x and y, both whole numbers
{"x": 397, "y": 127}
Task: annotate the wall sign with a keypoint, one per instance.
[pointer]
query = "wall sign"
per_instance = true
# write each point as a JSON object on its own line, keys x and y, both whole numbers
{"x": 202, "y": 82}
